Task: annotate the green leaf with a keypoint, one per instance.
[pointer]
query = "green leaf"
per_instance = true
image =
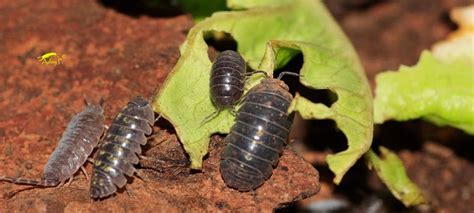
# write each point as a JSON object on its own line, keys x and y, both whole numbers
{"x": 298, "y": 26}
{"x": 392, "y": 172}
{"x": 440, "y": 92}
{"x": 341, "y": 73}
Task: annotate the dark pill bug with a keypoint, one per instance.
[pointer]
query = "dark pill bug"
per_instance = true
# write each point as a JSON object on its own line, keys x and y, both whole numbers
{"x": 227, "y": 81}
{"x": 118, "y": 152}
{"x": 256, "y": 140}
{"x": 76, "y": 144}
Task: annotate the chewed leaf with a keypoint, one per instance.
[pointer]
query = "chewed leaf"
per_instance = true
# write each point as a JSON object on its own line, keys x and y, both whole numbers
{"x": 440, "y": 92}
{"x": 185, "y": 98}
{"x": 352, "y": 112}
{"x": 391, "y": 171}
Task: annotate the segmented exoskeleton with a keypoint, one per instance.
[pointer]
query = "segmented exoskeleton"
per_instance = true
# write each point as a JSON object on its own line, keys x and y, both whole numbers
{"x": 118, "y": 152}
{"x": 256, "y": 140}
{"x": 227, "y": 81}
{"x": 77, "y": 142}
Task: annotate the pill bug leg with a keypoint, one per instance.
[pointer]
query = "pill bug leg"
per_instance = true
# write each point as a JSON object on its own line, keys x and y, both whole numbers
{"x": 287, "y": 73}
{"x": 34, "y": 183}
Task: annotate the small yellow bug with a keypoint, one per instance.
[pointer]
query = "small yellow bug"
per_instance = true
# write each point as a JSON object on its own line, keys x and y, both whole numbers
{"x": 51, "y": 58}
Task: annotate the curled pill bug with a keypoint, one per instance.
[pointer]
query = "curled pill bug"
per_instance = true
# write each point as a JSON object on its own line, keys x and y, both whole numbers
{"x": 81, "y": 136}
{"x": 258, "y": 136}
{"x": 118, "y": 151}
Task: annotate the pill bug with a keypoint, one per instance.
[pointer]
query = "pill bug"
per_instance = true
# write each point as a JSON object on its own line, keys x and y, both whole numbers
{"x": 118, "y": 152}
{"x": 256, "y": 140}
{"x": 227, "y": 81}
{"x": 76, "y": 144}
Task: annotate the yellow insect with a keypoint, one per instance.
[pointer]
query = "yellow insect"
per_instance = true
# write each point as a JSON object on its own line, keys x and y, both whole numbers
{"x": 51, "y": 58}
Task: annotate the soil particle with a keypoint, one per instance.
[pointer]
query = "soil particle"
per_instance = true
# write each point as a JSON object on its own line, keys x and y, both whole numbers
{"x": 444, "y": 178}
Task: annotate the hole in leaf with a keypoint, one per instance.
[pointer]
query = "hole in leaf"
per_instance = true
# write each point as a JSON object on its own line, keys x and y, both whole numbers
{"x": 324, "y": 96}
{"x": 316, "y": 138}
{"x": 322, "y": 135}
{"x": 218, "y": 41}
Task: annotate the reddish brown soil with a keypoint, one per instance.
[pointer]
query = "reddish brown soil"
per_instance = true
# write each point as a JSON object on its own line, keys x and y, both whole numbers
{"x": 167, "y": 185}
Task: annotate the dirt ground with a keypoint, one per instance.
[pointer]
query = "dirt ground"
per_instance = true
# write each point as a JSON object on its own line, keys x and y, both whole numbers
{"x": 117, "y": 51}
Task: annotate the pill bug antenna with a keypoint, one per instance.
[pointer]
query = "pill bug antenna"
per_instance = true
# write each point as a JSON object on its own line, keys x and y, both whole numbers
{"x": 157, "y": 118}
{"x": 27, "y": 181}
{"x": 10, "y": 195}
{"x": 287, "y": 73}
{"x": 87, "y": 102}
{"x": 150, "y": 101}
{"x": 33, "y": 183}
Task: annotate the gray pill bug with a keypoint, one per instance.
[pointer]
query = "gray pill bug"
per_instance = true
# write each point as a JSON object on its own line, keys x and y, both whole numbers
{"x": 258, "y": 136}
{"x": 118, "y": 151}
{"x": 76, "y": 144}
